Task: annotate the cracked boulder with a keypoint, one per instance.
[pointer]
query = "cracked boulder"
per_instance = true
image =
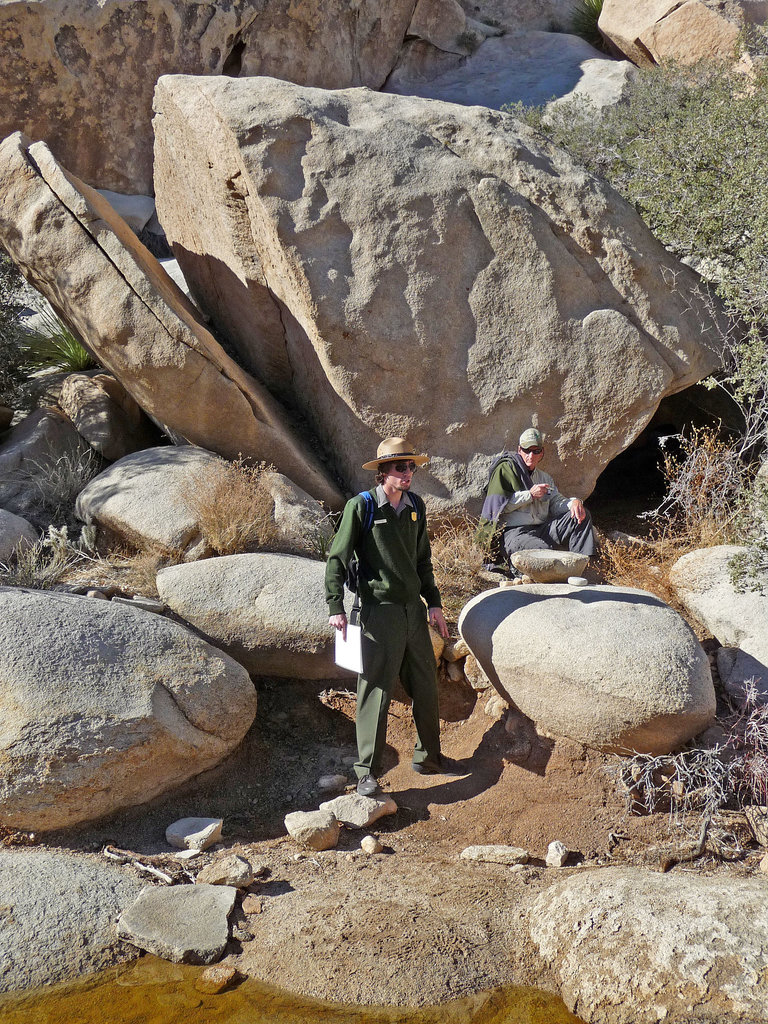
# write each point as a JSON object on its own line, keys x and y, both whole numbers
{"x": 106, "y": 706}
{"x": 59, "y": 59}
{"x": 652, "y": 31}
{"x": 412, "y": 267}
{"x": 71, "y": 245}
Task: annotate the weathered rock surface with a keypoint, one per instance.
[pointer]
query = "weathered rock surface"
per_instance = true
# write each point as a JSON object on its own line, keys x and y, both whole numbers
{"x": 651, "y": 31}
{"x": 554, "y": 15}
{"x": 14, "y": 530}
{"x": 71, "y": 245}
{"x": 106, "y": 416}
{"x": 228, "y": 870}
{"x": 525, "y": 67}
{"x": 194, "y": 833}
{"x": 495, "y": 854}
{"x": 317, "y": 830}
{"x": 636, "y": 947}
{"x": 106, "y": 707}
{"x": 60, "y": 58}
{"x": 611, "y": 667}
{"x": 335, "y": 234}
{"x": 547, "y": 566}
{"x": 356, "y": 811}
{"x": 26, "y": 458}
{"x": 267, "y": 611}
{"x": 57, "y": 913}
{"x": 183, "y": 923}
{"x": 703, "y": 584}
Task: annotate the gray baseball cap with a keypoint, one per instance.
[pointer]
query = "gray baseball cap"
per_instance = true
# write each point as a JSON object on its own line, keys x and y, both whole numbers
{"x": 531, "y": 438}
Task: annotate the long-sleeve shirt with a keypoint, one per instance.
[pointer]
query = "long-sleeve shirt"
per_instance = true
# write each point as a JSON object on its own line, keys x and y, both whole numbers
{"x": 395, "y": 555}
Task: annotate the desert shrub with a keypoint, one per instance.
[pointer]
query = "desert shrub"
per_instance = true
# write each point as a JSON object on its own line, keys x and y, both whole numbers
{"x": 54, "y": 345}
{"x": 56, "y": 483}
{"x": 232, "y": 506}
{"x": 749, "y": 569}
{"x": 43, "y": 565}
{"x": 645, "y": 566}
{"x": 130, "y": 572}
{"x": 457, "y": 559}
{"x": 584, "y": 18}
{"x": 11, "y": 355}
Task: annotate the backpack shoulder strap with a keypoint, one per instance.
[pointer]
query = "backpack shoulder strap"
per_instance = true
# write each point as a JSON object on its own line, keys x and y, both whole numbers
{"x": 369, "y": 510}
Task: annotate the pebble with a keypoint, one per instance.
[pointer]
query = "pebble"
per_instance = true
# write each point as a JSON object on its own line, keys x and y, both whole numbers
{"x": 331, "y": 783}
{"x": 578, "y": 581}
{"x": 194, "y": 833}
{"x": 764, "y": 864}
{"x": 496, "y": 854}
{"x": 252, "y": 904}
{"x": 215, "y": 979}
{"x": 370, "y": 844}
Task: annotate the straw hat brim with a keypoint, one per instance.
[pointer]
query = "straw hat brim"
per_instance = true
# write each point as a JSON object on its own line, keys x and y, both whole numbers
{"x": 420, "y": 460}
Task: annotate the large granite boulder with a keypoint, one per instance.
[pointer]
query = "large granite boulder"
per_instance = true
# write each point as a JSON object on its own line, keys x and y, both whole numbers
{"x": 400, "y": 265}
{"x": 106, "y": 706}
{"x": 651, "y": 31}
{"x": 72, "y": 246}
{"x": 14, "y": 531}
{"x": 265, "y": 610}
{"x": 105, "y": 415}
{"x": 636, "y": 947}
{"x": 31, "y": 451}
{"x": 611, "y": 667}
{"x": 58, "y": 917}
{"x": 145, "y": 500}
{"x": 60, "y": 56}
{"x": 738, "y": 619}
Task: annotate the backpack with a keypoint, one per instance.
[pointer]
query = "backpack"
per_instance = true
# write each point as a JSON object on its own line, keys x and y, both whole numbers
{"x": 352, "y": 582}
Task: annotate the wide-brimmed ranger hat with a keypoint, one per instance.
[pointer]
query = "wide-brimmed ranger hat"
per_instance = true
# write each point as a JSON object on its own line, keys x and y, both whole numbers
{"x": 395, "y": 449}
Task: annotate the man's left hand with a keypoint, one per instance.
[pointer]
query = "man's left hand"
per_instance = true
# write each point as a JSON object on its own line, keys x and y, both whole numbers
{"x": 578, "y": 512}
{"x": 437, "y": 620}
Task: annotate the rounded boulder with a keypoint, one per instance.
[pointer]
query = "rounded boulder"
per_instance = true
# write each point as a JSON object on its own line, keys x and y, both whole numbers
{"x": 611, "y": 667}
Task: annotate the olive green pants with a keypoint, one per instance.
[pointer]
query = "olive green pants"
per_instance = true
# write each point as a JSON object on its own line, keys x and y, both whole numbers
{"x": 395, "y": 643}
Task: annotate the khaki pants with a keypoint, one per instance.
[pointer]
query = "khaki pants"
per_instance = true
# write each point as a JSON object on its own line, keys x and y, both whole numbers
{"x": 395, "y": 643}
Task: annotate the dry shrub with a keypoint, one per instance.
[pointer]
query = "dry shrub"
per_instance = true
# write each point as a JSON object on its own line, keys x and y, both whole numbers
{"x": 232, "y": 506}
{"x": 645, "y": 566}
{"x": 128, "y": 572}
{"x": 457, "y": 559}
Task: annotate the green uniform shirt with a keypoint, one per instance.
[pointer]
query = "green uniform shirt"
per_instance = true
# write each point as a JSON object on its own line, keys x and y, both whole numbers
{"x": 395, "y": 557}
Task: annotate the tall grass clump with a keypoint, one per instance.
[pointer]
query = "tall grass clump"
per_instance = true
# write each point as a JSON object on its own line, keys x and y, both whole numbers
{"x": 54, "y": 345}
{"x": 457, "y": 559}
{"x": 11, "y": 354}
{"x": 44, "y": 564}
{"x": 584, "y": 18}
{"x": 55, "y": 483}
{"x": 232, "y": 506}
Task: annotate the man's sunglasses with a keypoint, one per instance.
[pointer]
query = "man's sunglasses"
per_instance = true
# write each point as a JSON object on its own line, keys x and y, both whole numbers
{"x": 533, "y": 451}
{"x": 404, "y": 467}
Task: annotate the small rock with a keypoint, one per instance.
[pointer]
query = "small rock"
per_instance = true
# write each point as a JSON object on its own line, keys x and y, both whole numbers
{"x": 230, "y": 870}
{"x": 370, "y": 844}
{"x": 187, "y": 854}
{"x": 764, "y": 864}
{"x": 557, "y": 854}
{"x": 457, "y": 651}
{"x": 496, "y": 854}
{"x": 578, "y": 581}
{"x": 261, "y": 869}
{"x": 99, "y": 595}
{"x": 319, "y": 830}
{"x": 331, "y": 783}
{"x": 252, "y": 904}
{"x": 455, "y": 672}
{"x": 215, "y": 979}
{"x": 194, "y": 833}
{"x": 496, "y": 706}
{"x": 475, "y": 676}
{"x": 357, "y": 811}
{"x": 547, "y": 566}
{"x": 242, "y": 934}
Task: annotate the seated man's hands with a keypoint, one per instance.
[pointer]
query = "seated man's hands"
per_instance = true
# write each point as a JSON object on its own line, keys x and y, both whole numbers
{"x": 578, "y": 512}
{"x": 539, "y": 491}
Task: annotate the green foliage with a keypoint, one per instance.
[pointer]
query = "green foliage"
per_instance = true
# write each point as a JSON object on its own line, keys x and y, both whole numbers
{"x": 11, "y": 355}
{"x": 584, "y": 17}
{"x": 749, "y": 569}
{"x": 55, "y": 346}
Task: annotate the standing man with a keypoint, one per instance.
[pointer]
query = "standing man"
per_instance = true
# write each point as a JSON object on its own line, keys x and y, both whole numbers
{"x": 395, "y": 573}
{"x": 524, "y": 503}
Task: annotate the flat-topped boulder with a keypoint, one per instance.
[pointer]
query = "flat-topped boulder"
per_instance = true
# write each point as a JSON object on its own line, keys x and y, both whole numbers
{"x": 72, "y": 246}
{"x": 545, "y": 565}
{"x": 267, "y": 611}
{"x": 611, "y": 667}
{"x": 332, "y": 236}
{"x": 106, "y": 707}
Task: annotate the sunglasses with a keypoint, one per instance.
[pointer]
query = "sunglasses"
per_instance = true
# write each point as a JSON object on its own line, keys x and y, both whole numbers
{"x": 404, "y": 467}
{"x": 533, "y": 451}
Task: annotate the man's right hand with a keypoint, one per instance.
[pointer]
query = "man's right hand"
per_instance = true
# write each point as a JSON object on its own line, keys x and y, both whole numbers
{"x": 539, "y": 491}
{"x": 339, "y": 622}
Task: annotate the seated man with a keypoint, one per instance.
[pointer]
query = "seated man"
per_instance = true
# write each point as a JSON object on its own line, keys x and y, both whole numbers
{"x": 524, "y": 506}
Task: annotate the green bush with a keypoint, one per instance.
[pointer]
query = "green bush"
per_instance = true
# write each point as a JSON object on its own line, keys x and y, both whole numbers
{"x": 55, "y": 346}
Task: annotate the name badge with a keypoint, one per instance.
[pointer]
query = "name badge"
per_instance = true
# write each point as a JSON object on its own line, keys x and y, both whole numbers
{"x": 379, "y": 522}
{"x": 414, "y": 517}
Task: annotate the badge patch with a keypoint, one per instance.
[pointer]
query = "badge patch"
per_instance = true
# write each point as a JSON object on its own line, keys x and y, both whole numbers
{"x": 379, "y": 522}
{"x": 414, "y": 517}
